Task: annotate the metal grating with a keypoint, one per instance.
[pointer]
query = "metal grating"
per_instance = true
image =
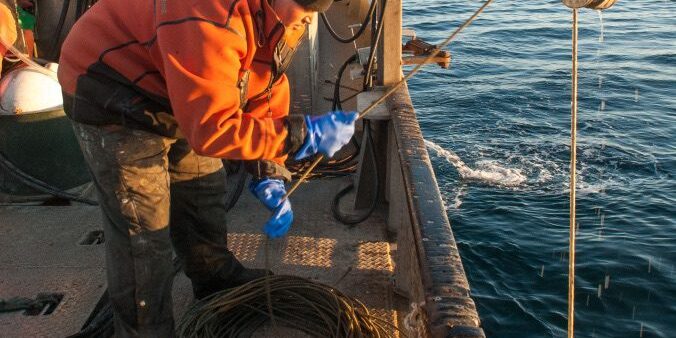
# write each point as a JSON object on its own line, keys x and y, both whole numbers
{"x": 245, "y": 246}
{"x": 375, "y": 256}
{"x": 309, "y": 251}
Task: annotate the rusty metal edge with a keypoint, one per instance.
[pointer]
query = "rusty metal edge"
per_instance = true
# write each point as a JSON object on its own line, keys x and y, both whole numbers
{"x": 450, "y": 310}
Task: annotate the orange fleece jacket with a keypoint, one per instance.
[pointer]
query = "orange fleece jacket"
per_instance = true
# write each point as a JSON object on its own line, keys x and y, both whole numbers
{"x": 7, "y": 30}
{"x": 193, "y": 53}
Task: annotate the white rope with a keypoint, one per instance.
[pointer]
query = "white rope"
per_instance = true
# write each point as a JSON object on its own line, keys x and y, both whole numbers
{"x": 27, "y": 60}
{"x": 414, "y": 322}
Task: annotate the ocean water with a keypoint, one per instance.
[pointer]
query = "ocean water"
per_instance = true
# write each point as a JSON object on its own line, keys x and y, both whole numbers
{"x": 498, "y": 130}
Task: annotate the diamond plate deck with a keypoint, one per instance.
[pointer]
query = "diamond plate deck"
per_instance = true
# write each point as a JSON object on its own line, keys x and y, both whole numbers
{"x": 40, "y": 253}
{"x": 356, "y": 260}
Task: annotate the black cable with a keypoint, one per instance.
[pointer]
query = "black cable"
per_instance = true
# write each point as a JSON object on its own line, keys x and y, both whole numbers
{"x": 83, "y": 6}
{"x": 100, "y": 322}
{"x": 241, "y": 175}
{"x": 335, "y": 205}
{"x": 39, "y": 185}
{"x": 359, "y": 33}
{"x": 334, "y": 168}
{"x": 374, "y": 47}
{"x": 53, "y": 51}
{"x": 80, "y": 8}
{"x": 336, "y": 87}
{"x": 348, "y": 165}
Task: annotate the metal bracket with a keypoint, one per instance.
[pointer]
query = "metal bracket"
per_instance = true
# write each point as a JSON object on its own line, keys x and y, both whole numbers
{"x": 417, "y": 51}
{"x": 379, "y": 117}
{"x": 593, "y": 4}
{"x": 365, "y": 99}
{"x": 43, "y": 304}
{"x": 408, "y": 32}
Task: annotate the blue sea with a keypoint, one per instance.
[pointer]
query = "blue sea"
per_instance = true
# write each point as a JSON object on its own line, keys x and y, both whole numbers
{"x": 498, "y": 131}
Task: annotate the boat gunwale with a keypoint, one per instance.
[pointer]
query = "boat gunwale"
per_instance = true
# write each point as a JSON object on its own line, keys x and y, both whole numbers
{"x": 443, "y": 291}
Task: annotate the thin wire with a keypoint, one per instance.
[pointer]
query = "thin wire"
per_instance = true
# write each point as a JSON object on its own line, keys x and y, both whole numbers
{"x": 304, "y": 176}
{"x": 317, "y": 309}
{"x": 573, "y": 161}
{"x": 392, "y": 89}
{"x": 268, "y": 293}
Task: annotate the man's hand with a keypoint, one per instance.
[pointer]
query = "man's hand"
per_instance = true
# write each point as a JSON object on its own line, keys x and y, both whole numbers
{"x": 327, "y": 133}
{"x": 271, "y": 193}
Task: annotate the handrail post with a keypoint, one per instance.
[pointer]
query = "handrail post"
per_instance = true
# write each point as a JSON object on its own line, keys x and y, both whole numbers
{"x": 389, "y": 51}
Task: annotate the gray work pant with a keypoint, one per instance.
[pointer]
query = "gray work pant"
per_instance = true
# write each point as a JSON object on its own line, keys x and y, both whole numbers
{"x": 154, "y": 192}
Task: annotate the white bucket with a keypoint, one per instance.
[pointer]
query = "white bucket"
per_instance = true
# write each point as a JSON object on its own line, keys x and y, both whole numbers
{"x": 27, "y": 91}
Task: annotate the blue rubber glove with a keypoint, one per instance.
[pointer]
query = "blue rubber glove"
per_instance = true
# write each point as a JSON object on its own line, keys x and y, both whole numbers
{"x": 327, "y": 133}
{"x": 271, "y": 193}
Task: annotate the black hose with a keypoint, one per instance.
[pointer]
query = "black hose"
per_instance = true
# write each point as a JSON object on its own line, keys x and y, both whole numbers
{"x": 39, "y": 185}
{"x": 335, "y": 205}
{"x": 334, "y": 168}
{"x": 241, "y": 175}
{"x": 359, "y": 33}
{"x": 374, "y": 47}
{"x": 83, "y": 6}
{"x": 53, "y": 51}
{"x": 80, "y": 8}
{"x": 336, "y": 87}
{"x": 100, "y": 322}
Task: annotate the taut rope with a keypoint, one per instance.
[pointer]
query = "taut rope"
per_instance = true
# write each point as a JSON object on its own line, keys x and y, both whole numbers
{"x": 396, "y": 86}
{"x": 573, "y": 161}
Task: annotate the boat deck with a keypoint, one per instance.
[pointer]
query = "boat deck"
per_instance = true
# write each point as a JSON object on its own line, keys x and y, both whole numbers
{"x": 42, "y": 253}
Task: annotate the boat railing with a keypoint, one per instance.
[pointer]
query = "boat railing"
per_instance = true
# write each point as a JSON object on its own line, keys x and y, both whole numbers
{"x": 428, "y": 265}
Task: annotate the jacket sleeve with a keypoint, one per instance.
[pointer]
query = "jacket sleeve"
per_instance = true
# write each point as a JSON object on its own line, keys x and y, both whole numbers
{"x": 276, "y": 105}
{"x": 7, "y": 30}
{"x": 201, "y": 62}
